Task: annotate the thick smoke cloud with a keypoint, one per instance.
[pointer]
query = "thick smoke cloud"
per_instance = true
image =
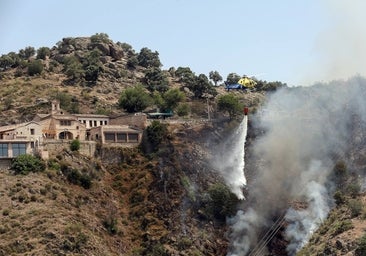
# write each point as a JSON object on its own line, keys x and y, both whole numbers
{"x": 305, "y": 131}
{"x": 339, "y": 51}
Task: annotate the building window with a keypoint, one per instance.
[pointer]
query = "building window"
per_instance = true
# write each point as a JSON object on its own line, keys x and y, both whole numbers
{"x": 95, "y": 123}
{"x": 101, "y": 122}
{"x": 133, "y": 137}
{"x": 90, "y": 123}
{"x": 121, "y": 137}
{"x": 32, "y": 131}
{"x": 3, "y": 150}
{"x": 18, "y": 149}
{"x": 65, "y": 122}
{"x": 109, "y": 137}
{"x": 105, "y": 122}
{"x": 32, "y": 144}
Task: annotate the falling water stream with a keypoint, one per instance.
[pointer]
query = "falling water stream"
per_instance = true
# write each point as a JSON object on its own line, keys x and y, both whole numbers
{"x": 232, "y": 161}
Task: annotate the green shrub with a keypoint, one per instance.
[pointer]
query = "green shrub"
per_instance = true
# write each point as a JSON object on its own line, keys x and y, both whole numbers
{"x": 229, "y": 103}
{"x": 222, "y": 201}
{"x": 361, "y": 249}
{"x": 75, "y": 145}
{"x": 35, "y": 67}
{"x": 23, "y": 164}
{"x": 156, "y": 250}
{"x": 76, "y": 177}
{"x": 110, "y": 224}
{"x": 354, "y": 189}
{"x": 156, "y": 132}
{"x": 183, "y": 109}
{"x": 43, "y": 52}
{"x": 356, "y": 207}
{"x": 134, "y": 99}
{"x": 100, "y": 38}
{"x": 341, "y": 226}
{"x": 6, "y": 212}
{"x": 339, "y": 197}
{"x": 85, "y": 181}
{"x": 54, "y": 165}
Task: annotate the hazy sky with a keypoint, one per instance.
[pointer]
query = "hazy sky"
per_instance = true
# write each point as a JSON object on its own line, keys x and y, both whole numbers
{"x": 296, "y": 42}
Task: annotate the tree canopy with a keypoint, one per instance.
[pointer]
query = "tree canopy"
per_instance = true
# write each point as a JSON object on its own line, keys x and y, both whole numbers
{"x": 172, "y": 98}
{"x": 92, "y": 65}
{"x": 232, "y": 78}
{"x": 27, "y": 52}
{"x": 73, "y": 68}
{"x": 148, "y": 58}
{"x": 35, "y": 67}
{"x": 43, "y": 52}
{"x": 200, "y": 85}
{"x": 215, "y": 77}
{"x": 134, "y": 99}
{"x": 156, "y": 79}
{"x": 229, "y": 103}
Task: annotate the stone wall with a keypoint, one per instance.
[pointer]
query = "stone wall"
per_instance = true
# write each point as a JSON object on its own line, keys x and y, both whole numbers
{"x": 54, "y": 147}
{"x": 139, "y": 121}
{"x": 5, "y": 164}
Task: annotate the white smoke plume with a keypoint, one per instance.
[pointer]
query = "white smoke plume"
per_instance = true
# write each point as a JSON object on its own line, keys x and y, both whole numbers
{"x": 304, "y": 132}
{"x": 303, "y": 222}
{"x": 244, "y": 225}
{"x": 339, "y": 52}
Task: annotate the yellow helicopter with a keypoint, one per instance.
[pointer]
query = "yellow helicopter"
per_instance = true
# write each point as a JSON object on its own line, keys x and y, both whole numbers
{"x": 243, "y": 84}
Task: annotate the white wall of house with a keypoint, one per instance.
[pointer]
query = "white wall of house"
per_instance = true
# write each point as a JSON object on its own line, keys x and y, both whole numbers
{"x": 91, "y": 121}
{"x": 21, "y": 139}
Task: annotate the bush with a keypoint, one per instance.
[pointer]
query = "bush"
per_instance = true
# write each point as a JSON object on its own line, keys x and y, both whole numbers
{"x": 229, "y": 103}
{"x": 43, "y": 52}
{"x": 100, "y": 38}
{"x": 35, "y": 67}
{"x": 132, "y": 62}
{"x": 134, "y": 99}
{"x": 157, "y": 250}
{"x": 356, "y": 207}
{"x": 23, "y": 164}
{"x": 156, "y": 132}
{"x": 361, "y": 249}
{"x": 75, "y": 145}
{"x": 222, "y": 201}
{"x": 339, "y": 197}
{"x": 354, "y": 189}
{"x": 110, "y": 224}
{"x": 341, "y": 226}
{"x": 340, "y": 168}
{"x": 183, "y": 109}
{"x": 76, "y": 177}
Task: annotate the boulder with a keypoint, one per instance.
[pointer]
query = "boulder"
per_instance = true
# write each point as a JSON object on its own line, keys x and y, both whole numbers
{"x": 102, "y": 47}
{"x": 116, "y": 51}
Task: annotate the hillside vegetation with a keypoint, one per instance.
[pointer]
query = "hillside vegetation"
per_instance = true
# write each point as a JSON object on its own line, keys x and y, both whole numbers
{"x": 89, "y": 74}
{"x": 164, "y": 197}
{"x": 160, "y": 199}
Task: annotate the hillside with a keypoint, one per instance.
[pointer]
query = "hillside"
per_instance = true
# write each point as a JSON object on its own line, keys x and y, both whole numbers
{"x": 88, "y": 74}
{"x": 138, "y": 203}
{"x": 135, "y": 206}
{"x": 171, "y": 200}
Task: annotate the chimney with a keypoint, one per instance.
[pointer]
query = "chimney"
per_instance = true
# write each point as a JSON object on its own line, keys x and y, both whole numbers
{"x": 55, "y": 107}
